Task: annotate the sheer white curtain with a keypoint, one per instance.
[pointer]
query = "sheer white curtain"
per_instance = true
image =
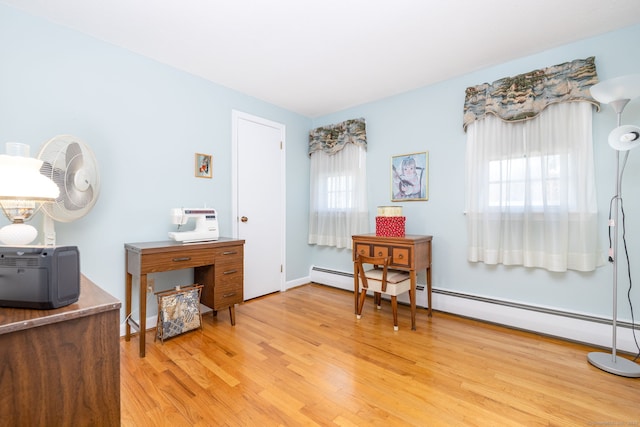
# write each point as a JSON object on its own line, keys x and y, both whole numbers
{"x": 530, "y": 190}
{"x": 338, "y": 200}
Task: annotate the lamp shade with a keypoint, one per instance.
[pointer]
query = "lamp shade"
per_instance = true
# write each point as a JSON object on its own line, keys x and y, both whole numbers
{"x": 20, "y": 178}
{"x": 624, "y": 138}
{"x": 623, "y": 87}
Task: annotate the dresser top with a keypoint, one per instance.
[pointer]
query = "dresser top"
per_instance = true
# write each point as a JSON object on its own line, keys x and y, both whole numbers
{"x": 92, "y": 300}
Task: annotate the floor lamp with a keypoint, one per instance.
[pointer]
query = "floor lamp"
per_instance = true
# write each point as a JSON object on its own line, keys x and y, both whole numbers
{"x": 617, "y": 92}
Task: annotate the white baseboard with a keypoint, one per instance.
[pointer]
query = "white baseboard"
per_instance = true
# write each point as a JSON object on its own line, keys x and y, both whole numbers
{"x": 298, "y": 282}
{"x": 583, "y": 328}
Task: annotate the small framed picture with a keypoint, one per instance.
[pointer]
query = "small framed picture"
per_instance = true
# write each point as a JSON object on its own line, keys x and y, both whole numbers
{"x": 410, "y": 177}
{"x": 204, "y": 168}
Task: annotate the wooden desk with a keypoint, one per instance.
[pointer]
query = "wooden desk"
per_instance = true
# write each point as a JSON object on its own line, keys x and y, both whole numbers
{"x": 218, "y": 266}
{"x": 61, "y": 367}
{"x": 410, "y": 253}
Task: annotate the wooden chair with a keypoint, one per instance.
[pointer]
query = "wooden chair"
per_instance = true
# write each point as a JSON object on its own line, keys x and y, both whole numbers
{"x": 381, "y": 280}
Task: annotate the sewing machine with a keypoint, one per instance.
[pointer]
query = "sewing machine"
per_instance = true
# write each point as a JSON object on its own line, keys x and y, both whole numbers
{"x": 206, "y": 225}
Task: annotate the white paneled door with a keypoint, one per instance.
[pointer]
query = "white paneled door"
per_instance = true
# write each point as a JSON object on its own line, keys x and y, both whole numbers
{"x": 258, "y": 145}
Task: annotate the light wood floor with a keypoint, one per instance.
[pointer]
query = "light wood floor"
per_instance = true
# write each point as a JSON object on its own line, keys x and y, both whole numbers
{"x": 301, "y": 358}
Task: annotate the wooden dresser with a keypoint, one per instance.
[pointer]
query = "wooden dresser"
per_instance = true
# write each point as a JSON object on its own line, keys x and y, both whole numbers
{"x": 411, "y": 253}
{"x": 61, "y": 367}
{"x": 217, "y": 265}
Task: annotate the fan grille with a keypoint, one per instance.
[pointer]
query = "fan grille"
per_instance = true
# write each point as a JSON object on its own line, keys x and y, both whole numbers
{"x": 71, "y": 164}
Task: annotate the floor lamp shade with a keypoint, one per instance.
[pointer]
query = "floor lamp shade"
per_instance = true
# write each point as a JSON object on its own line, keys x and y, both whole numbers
{"x": 616, "y": 89}
{"x": 624, "y": 138}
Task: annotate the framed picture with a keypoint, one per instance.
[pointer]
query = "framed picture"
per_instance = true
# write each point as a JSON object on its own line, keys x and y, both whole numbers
{"x": 410, "y": 177}
{"x": 204, "y": 168}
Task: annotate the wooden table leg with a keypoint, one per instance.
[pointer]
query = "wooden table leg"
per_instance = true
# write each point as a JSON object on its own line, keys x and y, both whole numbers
{"x": 232, "y": 314}
{"x": 429, "y": 290}
{"x": 412, "y": 297}
{"x": 143, "y": 313}
{"x": 356, "y": 291}
{"x": 127, "y": 305}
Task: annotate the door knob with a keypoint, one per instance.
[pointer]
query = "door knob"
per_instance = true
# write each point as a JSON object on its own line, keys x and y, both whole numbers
{"x": 244, "y": 219}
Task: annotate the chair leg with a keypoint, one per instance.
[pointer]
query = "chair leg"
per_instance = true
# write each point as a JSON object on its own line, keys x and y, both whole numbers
{"x": 394, "y": 308}
{"x": 361, "y": 299}
{"x": 378, "y": 300}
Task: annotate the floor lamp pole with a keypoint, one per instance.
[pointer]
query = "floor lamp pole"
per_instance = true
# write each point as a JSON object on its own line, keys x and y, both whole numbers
{"x": 610, "y": 362}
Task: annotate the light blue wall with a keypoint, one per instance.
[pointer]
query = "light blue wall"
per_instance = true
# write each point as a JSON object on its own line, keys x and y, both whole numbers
{"x": 144, "y": 121}
{"x": 431, "y": 119}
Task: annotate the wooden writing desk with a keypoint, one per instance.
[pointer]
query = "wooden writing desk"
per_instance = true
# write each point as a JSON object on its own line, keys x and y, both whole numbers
{"x": 61, "y": 367}
{"x": 410, "y": 253}
{"x": 218, "y": 266}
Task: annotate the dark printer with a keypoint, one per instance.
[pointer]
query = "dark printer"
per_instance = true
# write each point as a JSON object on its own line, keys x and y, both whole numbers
{"x": 39, "y": 277}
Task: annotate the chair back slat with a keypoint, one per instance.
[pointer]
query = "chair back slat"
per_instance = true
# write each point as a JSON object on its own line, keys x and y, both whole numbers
{"x": 376, "y": 262}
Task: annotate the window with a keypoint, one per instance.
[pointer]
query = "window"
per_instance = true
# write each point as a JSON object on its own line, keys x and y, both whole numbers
{"x": 338, "y": 197}
{"x": 340, "y": 192}
{"x": 508, "y": 180}
{"x": 530, "y": 194}
{"x": 338, "y": 179}
{"x": 530, "y": 190}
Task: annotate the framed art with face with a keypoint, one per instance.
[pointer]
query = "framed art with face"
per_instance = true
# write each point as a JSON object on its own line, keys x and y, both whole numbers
{"x": 410, "y": 177}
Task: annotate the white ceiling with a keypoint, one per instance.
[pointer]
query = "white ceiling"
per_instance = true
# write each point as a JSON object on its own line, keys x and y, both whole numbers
{"x": 316, "y": 57}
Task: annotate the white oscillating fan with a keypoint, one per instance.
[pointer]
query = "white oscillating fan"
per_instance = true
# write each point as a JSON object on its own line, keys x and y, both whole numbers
{"x": 71, "y": 164}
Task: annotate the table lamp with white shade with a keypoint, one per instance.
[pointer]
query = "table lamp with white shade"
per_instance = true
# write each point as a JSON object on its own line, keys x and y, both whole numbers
{"x": 23, "y": 189}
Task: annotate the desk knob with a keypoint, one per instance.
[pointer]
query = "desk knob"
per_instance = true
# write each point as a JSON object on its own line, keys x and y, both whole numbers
{"x": 244, "y": 219}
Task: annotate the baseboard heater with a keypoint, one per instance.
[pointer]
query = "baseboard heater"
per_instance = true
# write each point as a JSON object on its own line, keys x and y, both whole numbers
{"x": 534, "y": 308}
{"x": 578, "y": 327}
{"x": 332, "y": 272}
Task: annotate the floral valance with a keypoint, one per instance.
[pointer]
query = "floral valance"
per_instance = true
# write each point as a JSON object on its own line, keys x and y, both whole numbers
{"x": 524, "y": 96}
{"x": 333, "y": 138}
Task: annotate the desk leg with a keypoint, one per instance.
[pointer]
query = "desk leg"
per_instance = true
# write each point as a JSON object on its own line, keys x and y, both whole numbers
{"x": 429, "y": 289}
{"x": 412, "y": 297}
{"x": 232, "y": 314}
{"x": 127, "y": 305}
{"x": 143, "y": 313}
{"x": 356, "y": 291}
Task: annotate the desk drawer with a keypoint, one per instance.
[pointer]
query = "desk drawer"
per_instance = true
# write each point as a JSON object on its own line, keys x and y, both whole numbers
{"x": 381, "y": 251}
{"x": 177, "y": 260}
{"x": 229, "y": 253}
{"x": 229, "y": 294}
{"x": 229, "y": 280}
{"x": 361, "y": 249}
{"x": 228, "y": 272}
{"x": 371, "y": 250}
{"x": 400, "y": 255}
